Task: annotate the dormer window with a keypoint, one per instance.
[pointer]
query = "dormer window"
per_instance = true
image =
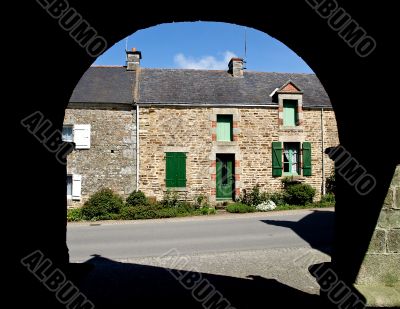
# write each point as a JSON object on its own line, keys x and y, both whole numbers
{"x": 290, "y": 114}
{"x": 290, "y": 100}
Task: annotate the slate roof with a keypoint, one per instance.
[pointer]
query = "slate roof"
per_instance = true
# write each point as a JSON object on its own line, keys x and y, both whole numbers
{"x": 177, "y": 86}
{"x": 105, "y": 85}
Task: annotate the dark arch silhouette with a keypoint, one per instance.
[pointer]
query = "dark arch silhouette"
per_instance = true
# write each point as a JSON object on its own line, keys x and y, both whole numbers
{"x": 46, "y": 69}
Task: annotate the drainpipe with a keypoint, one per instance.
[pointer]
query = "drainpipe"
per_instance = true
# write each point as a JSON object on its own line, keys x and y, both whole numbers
{"x": 323, "y": 152}
{"x": 137, "y": 147}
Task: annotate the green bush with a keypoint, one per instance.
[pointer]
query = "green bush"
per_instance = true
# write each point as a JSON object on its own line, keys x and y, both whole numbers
{"x": 299, "y": 194}
{"x": 200, "y": 201}
{"x": 206, "y": 210}
{"x": 254, "y": 198}
{"x": 330, "y": 183}
{"x": 155, "y": 212}
{"x": 74, "y": 214}
{"x": 137, "y": 212}
{"x": 101, "y": 205}
{"x": 240, "y": 208}
{"x": 278, "y": 198}
{"x": 170, "y": 199}
{"x": 289, "y": 181}
{"x": 137, "y": 198}
{"x": 328, "y": 198}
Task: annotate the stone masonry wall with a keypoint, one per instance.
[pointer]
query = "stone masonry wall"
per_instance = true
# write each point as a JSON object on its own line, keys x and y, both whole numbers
{"x": 174, "y": 129}
{"x": 192, "y": 130}
{"x": 381, "y": 264}
{"x": 260, "y": 128}
{"x": 111, "y": 160}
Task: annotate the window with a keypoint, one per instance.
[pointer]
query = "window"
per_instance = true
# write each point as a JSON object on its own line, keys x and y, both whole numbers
{"x": 78, "y": 133}
{"x": 290, "y": 116}
{"x": 74, "y": 185}
{"x": 69, "y": 186}
{"x": 175, "y": 169}
{"x": 67, "y": 133}
{"x": 224, "y": 128}
{"x": 287, "y": 160}
{"x": 291, "y": 159}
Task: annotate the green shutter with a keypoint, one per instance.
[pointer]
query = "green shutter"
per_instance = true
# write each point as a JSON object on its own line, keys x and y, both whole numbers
{"x": 180, "y": 169}
{"x": 175, "y": 171}
{"x": 276, "y": 159}
{"x": 307, "y": 171}
{"x": 224, "y": 128}
{"x": 170, "y": 169}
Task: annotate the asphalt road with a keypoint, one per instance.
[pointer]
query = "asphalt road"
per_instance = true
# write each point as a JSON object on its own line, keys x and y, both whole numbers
{"x": 201, "y": 235}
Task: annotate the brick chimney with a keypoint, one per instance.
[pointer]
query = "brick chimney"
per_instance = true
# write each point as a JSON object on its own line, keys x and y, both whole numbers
{"x": 133, "y": 59}
{"x": 236, "y": 67}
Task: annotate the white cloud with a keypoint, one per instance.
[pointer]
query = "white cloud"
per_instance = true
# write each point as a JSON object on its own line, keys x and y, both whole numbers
{"x": 205, "y": 62}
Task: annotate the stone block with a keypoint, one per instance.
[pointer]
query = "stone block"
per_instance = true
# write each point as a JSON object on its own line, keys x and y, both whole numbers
{"x": 393, "y": 241}
{"x": 379, "y": 269}
{"x": 389, "y": 200}
{"x": 378, "y": 242}
{"x": 389, "y": 219}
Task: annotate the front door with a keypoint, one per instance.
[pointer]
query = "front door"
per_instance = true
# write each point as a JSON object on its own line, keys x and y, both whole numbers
{"x": 225, "y": 176}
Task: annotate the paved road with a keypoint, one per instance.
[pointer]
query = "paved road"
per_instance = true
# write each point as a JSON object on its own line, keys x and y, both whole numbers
{"x": 201, "y": 235}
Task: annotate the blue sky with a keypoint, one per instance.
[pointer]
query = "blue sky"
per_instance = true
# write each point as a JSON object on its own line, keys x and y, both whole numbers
{"x": 205, "y": 45}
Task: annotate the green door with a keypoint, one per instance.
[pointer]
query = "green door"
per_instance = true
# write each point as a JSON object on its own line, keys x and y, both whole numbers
{"x": 225, "y": 177}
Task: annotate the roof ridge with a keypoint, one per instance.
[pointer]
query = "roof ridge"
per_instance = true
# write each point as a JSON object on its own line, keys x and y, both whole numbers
{"x": 107, "y": 66}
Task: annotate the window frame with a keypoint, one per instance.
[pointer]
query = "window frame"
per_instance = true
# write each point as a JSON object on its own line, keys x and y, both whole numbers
{"x": 71, "y": 126}
{"x": 70, "y": 176}
{"x": 296, "y": 113}
{"x": 286, "y": 148}
{"x": 218, "y": 128}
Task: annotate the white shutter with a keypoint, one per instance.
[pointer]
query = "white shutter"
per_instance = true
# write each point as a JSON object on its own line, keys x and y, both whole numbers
{"x": 76, "y": 187}
{"x": 82, "y": 136}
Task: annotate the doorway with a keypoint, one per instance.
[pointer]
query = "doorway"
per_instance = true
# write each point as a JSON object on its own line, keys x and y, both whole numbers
{"x": 225, "y": 178}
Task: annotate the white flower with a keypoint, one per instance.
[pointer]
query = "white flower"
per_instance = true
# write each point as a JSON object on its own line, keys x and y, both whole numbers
{"x": 266, "y": 206}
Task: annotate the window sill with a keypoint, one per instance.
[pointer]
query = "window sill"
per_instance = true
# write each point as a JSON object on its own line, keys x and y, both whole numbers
{"x": 227, "y": 143}
{"x": 292, "y": 129}
{"x": 295, "y": 177}
{"x": 177, "y": 189}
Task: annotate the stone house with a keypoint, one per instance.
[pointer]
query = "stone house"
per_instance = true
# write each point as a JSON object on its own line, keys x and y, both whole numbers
{"x": 196, "y": 131}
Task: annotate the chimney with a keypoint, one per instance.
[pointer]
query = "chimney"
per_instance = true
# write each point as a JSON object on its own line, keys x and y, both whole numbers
{"x": 133, "y": 59}
{"x": 236, "y": 67}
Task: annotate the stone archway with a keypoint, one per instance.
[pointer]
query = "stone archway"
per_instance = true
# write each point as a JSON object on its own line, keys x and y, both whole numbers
{"x": 351, "y": 81}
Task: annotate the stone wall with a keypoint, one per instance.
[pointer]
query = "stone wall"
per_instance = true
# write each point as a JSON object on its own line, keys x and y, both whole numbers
{"x": 381, "y": 265}
{"x": 192, "y": 130}
{"x": 111, "y": 160}
{"x": 173, "y": 129}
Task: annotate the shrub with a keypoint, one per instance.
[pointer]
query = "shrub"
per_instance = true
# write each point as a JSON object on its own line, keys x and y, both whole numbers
{"x": 328, "y": 198}
{"x": 155, "y": 211}
{"x": 206, "y": 210}
{"x": 74, "y": 214}
{"x": 137, "y": 212}
{"x": 137, "y": 198}
{"x": 170, "y": 199}
{"x": 240, "y": 208}
{"x": 288, "y": 181}
{"x": 101, "y": 205}
{"x": 299, "y": 194}
{"x": 255, "y": 197}
{"x": 278, "y": 198}
{"x": 200, "y": 200}
{"x": 330, "y": 183}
